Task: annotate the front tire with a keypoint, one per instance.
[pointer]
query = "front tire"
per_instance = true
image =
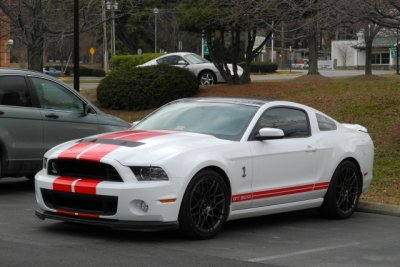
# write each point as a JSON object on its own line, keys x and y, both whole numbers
{"x": 207, "y": 77}
{"x": 344, "y": 192}
{"x": 205, "y": 206}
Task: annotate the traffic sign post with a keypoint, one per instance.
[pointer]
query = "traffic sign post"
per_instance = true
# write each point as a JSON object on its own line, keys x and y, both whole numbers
{"x": 91, "y": 52}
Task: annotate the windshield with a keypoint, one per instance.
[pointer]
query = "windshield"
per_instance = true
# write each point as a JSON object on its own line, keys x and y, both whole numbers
{"x": 195, "y": 59}
{"x": 222, "y": 120}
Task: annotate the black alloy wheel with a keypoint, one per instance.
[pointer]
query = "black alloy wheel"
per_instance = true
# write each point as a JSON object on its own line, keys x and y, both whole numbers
{"x": 344, "y": 191}
{"x": 205, "y": 206}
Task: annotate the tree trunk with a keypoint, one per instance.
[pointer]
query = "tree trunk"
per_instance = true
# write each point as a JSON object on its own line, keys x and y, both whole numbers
{"x": 313, "y": 52}
{"x": 35, "y": 55}
{"x": 368, "y": 55}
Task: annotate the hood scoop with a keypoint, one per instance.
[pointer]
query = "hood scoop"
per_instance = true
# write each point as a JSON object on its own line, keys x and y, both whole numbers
{"x": 117, "y": 142}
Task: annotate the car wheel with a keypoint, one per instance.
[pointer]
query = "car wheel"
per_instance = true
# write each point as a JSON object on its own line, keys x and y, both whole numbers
{"x": 207, "y": 77}
{"x": 205, "y": 206}
{"x": 343, "y": 193}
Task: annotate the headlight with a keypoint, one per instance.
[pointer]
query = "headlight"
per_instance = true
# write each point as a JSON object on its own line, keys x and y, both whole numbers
{"x": 150, "y": 174}
{"x": 44, "y": 163}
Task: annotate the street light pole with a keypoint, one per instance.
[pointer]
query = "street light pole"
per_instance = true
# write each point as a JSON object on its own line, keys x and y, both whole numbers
{"x": 155, "y": 11}
{"x": 112, "y": 8}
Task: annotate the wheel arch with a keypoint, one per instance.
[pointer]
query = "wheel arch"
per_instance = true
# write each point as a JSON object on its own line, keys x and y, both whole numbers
{"x": 220, "y": 172}
{"x": 355, "y": 161}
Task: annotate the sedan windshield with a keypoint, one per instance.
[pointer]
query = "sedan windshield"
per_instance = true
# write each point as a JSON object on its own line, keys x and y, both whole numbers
{"x": 195, "y": 59}
{"x": 222, "y": 120}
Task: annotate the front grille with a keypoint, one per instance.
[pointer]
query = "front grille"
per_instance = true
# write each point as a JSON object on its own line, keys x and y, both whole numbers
{"x": 83, "y": 169}
{"x": 81, "y": 203}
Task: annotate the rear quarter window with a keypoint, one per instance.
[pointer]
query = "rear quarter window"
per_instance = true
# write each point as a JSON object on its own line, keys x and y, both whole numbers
{"x": 325, "y": 124}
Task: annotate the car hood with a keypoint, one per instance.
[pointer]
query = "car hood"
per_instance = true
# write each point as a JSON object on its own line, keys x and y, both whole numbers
{"x": 135, "y": 147}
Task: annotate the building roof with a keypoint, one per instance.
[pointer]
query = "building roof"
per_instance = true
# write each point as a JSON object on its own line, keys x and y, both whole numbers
{"x": 379, "y": 42}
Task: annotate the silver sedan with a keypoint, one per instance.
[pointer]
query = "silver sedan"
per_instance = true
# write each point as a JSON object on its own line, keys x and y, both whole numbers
{"x": 204, "y": 70}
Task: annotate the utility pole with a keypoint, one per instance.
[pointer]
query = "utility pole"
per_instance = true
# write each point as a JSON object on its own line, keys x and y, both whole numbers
{"x": 76, "y": 45}
{"x": 105, "y": 52}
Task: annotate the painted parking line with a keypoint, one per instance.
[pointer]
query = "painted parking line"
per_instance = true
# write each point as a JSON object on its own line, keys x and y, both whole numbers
{"x": 303, "y": 252}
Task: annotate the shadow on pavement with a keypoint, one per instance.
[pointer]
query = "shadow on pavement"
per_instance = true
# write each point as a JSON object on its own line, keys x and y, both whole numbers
{"x": 13, "y": 185}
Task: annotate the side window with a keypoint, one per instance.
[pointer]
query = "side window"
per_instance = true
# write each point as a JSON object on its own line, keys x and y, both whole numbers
{"x": 54, "y": 96}
{"x": 325, "y": 124}
{"x": 170, "y": 60}
{"x": 293, "y": 122}
{"x": 14, "y": 92}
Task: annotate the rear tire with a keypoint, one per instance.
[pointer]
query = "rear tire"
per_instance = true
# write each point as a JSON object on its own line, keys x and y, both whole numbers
{"x": 343, "y": 193}
{"x": 205, "y": 206}
{"x": 207, "y": 77}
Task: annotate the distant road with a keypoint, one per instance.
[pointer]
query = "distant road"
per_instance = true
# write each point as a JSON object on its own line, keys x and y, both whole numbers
{"x": 93, "y": 82}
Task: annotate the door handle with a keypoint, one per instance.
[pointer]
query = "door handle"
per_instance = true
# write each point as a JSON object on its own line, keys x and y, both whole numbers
{"x": 51, "y": 116}
{"x": 310, "y": 149}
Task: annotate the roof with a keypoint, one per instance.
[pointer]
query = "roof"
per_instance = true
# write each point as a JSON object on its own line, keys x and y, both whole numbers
{"x": 380, "y": 42}
{"x": 252, "y": 101}
{"x": 14, "y": 71}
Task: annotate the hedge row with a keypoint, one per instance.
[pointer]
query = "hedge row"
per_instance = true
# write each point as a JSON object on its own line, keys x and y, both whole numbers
{"x": 138, "y": 88}
{"x": 262, "y": 67}
{"x": 132, "y": 60}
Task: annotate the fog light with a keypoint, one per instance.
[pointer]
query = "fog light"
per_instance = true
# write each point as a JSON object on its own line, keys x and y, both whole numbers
{"x": 143, "y": 205}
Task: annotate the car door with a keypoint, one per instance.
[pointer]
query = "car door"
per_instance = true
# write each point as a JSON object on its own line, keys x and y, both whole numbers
{"x": 284, "y": 169}
{"x": 21, "y": 133}
{"x": 63, "y": 113}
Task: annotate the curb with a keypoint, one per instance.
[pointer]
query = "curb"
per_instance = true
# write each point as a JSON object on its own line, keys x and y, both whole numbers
{"x": 379, "y": 208}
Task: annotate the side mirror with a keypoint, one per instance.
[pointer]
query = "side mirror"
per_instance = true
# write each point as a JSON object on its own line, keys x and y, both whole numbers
{"x": 88, "y": 110}
{"x": 182, "y": 63}
{"x": 269, "y": 133}
{"x": 134, "y": 123}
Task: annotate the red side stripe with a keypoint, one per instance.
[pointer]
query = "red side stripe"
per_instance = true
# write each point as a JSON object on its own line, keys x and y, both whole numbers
{"x": 75, "y": 150}
{"x": 86, "y": 186}
{"x": 63, "y": 184}
{"x": 280, "y": 192}
{"x": 98, "y": 152}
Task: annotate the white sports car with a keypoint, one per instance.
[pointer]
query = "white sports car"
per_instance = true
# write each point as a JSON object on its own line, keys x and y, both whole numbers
{"x": 204, "y": 70}
{"x": 196, "y": 163}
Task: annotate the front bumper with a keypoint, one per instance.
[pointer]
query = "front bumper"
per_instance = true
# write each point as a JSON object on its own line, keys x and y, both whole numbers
{"x": 114, "y": 224}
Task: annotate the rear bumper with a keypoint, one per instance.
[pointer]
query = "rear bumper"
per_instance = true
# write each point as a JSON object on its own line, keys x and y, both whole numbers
{"x": 114, "y": 224}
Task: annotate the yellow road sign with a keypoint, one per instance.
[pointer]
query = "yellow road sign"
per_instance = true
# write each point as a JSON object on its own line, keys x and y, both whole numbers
{"x": 91, "y": 51}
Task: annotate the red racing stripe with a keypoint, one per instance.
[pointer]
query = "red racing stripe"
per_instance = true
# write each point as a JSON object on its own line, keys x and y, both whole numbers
{"x": 118, "y": 134}
{"x": 142, "y": 135}
{"x": 71, "y": 213}
{"x": 88, "y": 215}
{"x": 64, "y": 212}
{"x": 98, "y": 152}
{"x": 75, "y": 150}
{"x": 86, "y": 186}
{"x": 63, "y": 184}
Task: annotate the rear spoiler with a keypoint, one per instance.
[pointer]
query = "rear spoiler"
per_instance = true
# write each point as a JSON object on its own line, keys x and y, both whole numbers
{"x": 356, "y": 127}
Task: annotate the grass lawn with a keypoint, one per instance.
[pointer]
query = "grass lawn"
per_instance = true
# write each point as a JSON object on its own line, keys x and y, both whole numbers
{"x": 373, "y": 102}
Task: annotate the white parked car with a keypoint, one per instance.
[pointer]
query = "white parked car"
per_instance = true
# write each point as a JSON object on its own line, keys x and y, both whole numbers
{"x": 204, "y": 70}
{"x": 196, "y": 163}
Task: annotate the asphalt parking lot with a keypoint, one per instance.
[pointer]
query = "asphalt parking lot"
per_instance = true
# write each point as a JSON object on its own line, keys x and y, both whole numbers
{"x": 292, "y": 239}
